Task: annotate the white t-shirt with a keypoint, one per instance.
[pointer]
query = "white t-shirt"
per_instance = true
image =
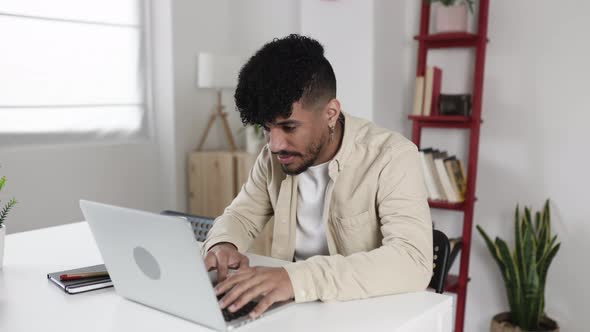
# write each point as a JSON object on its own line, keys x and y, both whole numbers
{"x": 310, "y": 236}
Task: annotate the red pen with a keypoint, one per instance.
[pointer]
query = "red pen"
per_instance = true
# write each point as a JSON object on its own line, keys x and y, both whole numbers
{"x": 83, "y": 275}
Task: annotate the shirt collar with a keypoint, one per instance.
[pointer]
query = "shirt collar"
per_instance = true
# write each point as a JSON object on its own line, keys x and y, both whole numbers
{"x": 349, "y": 127}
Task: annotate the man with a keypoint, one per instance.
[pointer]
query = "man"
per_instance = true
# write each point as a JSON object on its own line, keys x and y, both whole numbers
{"x": 344, "y": 199}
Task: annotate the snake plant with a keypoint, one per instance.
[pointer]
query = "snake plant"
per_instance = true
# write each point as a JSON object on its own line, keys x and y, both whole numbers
{"x": 8, "y": 206}
{"x": 524, "y": 270}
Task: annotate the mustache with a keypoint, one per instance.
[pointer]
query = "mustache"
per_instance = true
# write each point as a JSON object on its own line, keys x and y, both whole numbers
{"x": 284, "y": 153}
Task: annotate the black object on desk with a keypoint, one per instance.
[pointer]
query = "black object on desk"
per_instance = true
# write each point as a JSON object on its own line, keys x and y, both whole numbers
{"x": 83, "y": 284}
{"x": 201, "y": 225}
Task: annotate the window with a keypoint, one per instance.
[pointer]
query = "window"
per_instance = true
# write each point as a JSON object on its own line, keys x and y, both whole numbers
{"x": 71, "y": 68}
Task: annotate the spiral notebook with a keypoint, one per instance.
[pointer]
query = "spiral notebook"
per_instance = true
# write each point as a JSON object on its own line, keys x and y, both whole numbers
{"x": 82, "y": 285}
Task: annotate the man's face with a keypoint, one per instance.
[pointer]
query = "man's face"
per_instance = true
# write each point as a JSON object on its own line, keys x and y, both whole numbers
{"x": 297, "y": 141}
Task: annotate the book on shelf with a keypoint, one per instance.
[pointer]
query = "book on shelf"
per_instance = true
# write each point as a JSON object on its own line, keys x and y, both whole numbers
{"x": 450, "y": 191}
{"x": 458, "y": 173}
{"x": 427, "y": 170}
{"x": 448, "y": 164}
{"x": 432, "y": 85}
{"x": 437, "y": 154}
{"x": 443, "y": 175}
{"x": 418, "y": 96}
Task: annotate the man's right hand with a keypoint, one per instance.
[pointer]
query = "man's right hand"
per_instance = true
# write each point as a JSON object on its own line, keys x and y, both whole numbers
{"x": 224, "y": 256}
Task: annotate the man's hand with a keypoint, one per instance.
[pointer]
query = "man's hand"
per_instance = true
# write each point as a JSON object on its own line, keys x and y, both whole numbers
{"x": 223, "y": 256}
{"x": 242, "y": 287}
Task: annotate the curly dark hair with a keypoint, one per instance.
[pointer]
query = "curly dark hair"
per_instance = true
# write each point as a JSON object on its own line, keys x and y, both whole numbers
{"x": 282, "y": 72}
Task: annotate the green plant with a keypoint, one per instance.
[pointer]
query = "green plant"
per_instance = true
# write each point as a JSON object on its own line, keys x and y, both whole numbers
{"x": 258, "y": 131}
{"x": 8, "y": 206}
{"x": 447, "y": 3}
{"x": 525, "y": 269}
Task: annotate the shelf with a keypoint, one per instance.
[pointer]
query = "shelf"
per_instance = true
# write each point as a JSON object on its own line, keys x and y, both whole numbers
{"x": 442, "y": 121}
{"x": 449, "y": 40}
{"x": 444, "y": 205}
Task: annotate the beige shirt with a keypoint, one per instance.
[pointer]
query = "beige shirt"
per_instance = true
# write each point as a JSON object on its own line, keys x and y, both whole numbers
{"x": 377, "y": 222}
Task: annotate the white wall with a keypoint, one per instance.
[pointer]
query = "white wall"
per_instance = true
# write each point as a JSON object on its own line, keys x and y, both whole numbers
{"x": 346, "y": 30}
{"x": 48, "y": 181}
{"x": 224, "y": 27}
{"x": 164, "y": 116}
{"x": 198, "y": 26}
{"x": 390, "y": 69}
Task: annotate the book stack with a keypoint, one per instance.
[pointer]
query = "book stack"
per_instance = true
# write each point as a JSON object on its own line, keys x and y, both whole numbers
{"x": 427, "y": 92}
{"x": 82, "y": 279}
{"x": 444, "y": 176}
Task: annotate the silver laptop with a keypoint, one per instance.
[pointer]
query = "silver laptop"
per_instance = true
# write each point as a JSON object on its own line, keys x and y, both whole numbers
{"x": 155, "y": 260}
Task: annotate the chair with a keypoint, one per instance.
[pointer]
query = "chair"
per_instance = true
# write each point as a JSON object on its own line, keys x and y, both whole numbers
{"x": 200, "y": 225}
{"x": 440, "y": 244}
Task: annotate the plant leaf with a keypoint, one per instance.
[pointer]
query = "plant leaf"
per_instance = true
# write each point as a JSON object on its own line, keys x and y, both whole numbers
{"x": 513, "y": 280}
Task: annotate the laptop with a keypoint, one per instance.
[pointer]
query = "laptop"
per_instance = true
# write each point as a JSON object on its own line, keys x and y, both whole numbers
{"x": 155, "y": 260}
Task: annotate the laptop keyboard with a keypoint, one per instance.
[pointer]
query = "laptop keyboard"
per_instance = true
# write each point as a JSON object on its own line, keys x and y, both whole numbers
{"x": 229, "y": 316}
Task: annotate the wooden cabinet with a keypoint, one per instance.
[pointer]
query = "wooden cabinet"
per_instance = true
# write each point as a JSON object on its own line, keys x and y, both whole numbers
{"x": 215, "y": 178}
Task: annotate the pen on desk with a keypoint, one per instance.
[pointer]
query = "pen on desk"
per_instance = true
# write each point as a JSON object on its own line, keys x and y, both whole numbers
{"x": 84, "y": 275}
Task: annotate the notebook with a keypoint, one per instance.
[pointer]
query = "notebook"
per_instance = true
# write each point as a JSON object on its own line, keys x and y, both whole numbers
{"x": 81, "y": 285}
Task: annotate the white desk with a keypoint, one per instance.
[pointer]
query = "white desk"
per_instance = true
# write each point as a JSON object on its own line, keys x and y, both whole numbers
{"x": 29, "y": 302}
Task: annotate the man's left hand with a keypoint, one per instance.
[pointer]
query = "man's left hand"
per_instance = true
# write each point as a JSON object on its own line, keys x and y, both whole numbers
{"x": 243, "y": 286}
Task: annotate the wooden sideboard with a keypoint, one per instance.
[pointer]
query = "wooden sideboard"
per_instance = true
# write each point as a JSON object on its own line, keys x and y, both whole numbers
{"x": 215, "y": 178}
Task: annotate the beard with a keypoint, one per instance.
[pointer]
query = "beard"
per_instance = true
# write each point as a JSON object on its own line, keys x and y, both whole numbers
{"x": 307, "y": 159}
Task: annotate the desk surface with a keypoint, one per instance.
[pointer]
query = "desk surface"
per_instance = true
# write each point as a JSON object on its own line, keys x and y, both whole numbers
{"x": 29, "y": 302}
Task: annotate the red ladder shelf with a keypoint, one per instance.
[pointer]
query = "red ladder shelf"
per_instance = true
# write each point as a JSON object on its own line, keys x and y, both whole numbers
{"x": 457, "y": 283}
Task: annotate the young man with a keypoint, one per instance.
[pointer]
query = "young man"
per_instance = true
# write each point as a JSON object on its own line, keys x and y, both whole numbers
{"x": 343, "y": 199}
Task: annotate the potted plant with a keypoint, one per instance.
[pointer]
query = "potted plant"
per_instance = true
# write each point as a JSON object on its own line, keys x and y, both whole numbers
{"x": 254, "y": 138}
{"x": 524, "y": 271}
{"x": 451, "y": 15}
{"x": 3, "y": 213}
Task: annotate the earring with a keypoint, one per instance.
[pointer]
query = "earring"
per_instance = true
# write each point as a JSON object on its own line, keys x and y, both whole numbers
{"x": 331, "y": 134}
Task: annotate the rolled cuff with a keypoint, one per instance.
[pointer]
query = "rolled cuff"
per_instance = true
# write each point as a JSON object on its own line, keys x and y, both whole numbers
{"x": 302, "y": 282}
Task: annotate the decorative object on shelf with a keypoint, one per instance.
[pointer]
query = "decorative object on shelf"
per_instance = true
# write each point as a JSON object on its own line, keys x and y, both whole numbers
{"x": 254, "y": 139}
{"x": 3, "y": 215}
{"x": 451, "y": 15}
{"x": 218, "y": 72}
{"x": 459, "y": 104}
{"x": 525, "y": 271}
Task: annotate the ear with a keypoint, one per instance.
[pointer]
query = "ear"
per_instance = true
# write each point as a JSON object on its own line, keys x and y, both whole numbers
{"x": 333, "y": 111}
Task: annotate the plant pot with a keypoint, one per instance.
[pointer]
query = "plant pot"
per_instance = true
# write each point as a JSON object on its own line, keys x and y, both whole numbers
{"x": 501, "y": 323}
{"x": 2, "y": 235}
{"x": 451, "y": 18}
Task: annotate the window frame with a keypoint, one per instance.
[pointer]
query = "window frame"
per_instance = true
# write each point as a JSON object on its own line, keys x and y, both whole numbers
{"x": 146, "y": 129}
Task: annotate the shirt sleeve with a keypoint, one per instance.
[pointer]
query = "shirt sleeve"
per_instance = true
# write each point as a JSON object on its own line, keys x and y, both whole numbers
{"x": 247, "y": 214}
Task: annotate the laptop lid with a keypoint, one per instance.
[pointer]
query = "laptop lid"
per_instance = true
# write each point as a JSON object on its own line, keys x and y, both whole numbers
{"x": 154, "y": 260}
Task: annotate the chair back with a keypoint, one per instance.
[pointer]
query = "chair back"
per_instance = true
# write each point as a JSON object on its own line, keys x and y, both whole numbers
{"x": 440, "y": 244}
{"x": 200, "y": 225}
